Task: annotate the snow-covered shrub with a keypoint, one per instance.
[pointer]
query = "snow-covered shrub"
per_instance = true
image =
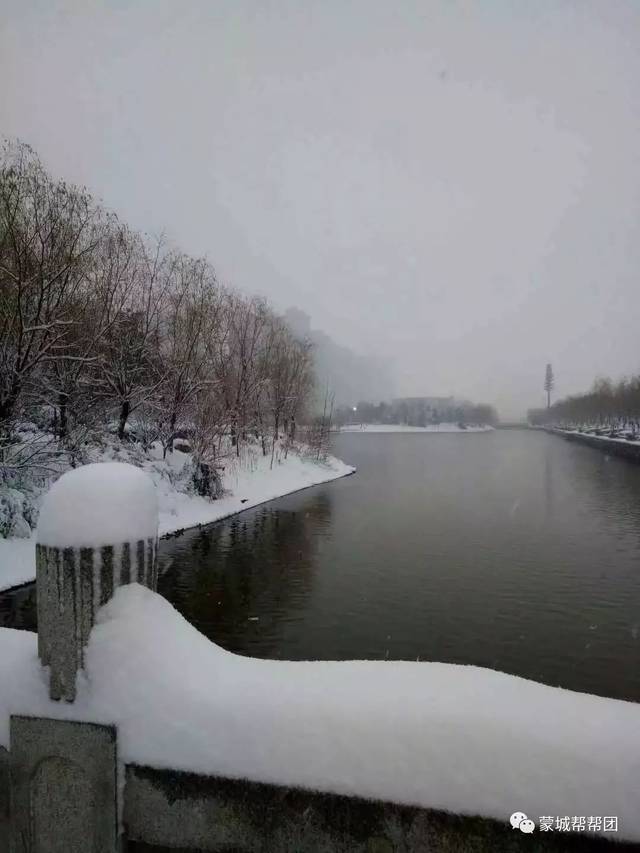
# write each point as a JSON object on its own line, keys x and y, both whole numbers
{"x": 29, "y": 460}
{"x": 18, "y": 513}
{"x": 206, "y": 480}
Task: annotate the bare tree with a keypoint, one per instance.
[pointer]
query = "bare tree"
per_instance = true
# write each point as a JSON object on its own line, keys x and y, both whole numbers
{"x": 130, "y": 366}
{"x": 319, "y": 432}
{"x": 46, "y": 238}
{"x": 193, "y": 317}
{"x": 99, "y": 324}
{"x": 290, "y": 378}
{"x": 69, "y": 387}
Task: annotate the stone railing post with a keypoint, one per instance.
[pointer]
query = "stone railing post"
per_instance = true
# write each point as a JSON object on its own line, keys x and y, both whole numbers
{"x": 97, "y": 530}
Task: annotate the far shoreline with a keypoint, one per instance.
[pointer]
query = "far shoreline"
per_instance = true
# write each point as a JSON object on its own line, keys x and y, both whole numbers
{"x": 405, "y": 428}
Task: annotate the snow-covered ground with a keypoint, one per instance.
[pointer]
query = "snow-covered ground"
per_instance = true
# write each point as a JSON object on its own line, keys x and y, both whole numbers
{"x": 405, "y": 428}
{"x": 248, "y": 481}
{"x": 459, "y": 738}
{"x": 605, "y": 439}
{"x": 17, "y": 562}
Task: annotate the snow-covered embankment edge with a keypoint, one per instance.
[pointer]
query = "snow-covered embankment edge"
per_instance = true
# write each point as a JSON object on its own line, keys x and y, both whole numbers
{"x": 460, "y": 738}
{"x": 250, "y": 486}
{"x": 402, "y": 428}
{"x": 604, "y": 440}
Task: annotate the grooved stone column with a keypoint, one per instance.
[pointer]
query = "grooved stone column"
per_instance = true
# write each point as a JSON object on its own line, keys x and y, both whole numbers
{"x": 98, "y": 530}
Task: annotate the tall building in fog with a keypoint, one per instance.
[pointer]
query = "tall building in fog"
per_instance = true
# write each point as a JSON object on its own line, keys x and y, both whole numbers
{"x": 349, "y": 376}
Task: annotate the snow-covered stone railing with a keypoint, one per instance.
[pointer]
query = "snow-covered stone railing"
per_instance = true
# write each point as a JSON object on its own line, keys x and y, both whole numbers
{"x": 138, "y": 726}
{"x": 98, "y": 530}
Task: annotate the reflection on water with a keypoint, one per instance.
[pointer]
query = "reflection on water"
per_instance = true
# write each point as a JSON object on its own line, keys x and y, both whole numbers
{"x": 511, "y": 550}
{"x": 18, "y": 608}
{"x": 242, "y": 581}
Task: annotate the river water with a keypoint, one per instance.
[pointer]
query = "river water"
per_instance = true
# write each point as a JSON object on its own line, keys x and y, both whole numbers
{"x": 514, "y": 550}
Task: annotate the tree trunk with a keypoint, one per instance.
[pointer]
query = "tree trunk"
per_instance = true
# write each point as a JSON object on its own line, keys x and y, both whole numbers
{"x": 260, "y": 432}
{"x": 276, "y": 427}
{"x": 168, "y": 445}
{"x": 63, "y": 400}
{"x": 124, "y": 415}
{"x": 7, "y": 405}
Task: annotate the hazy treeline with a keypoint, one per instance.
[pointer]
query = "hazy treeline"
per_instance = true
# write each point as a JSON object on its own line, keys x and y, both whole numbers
{"x": 607, "y": 404}
{"x": 102, "y": 327}
{"x": 419, "y": 412}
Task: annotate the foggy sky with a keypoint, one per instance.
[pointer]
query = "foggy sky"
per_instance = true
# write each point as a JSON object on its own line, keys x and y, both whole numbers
{"x": 452, "y": 186}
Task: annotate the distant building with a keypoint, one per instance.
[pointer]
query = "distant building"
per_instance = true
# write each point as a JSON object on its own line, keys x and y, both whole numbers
{"x": 431, "y": 402}
{"x": 350, "y": 377}
{"x": 421, "y": 411}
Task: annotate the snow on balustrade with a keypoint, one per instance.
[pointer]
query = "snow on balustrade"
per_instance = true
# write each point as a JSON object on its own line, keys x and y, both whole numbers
{"x": 98, "y": 529}
{"x": 459, "y": 738}
{"x": 104, "y": 503}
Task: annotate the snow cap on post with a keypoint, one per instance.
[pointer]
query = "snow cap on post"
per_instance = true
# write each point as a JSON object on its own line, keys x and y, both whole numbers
{"x": 104, "y": 503}
{"x": 98, "y": 530}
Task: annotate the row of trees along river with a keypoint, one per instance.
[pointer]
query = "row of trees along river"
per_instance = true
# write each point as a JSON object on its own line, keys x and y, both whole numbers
{"x": 105, "y": 328}
{"x": 614, "y": 405}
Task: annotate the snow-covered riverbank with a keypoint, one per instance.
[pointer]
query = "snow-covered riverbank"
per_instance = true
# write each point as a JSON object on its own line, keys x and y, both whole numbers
{"x": 603, "y": 439}
{"x": 247, "y": 482}
{"x": 404, "y": 428}
{"x": 614, "y": 445}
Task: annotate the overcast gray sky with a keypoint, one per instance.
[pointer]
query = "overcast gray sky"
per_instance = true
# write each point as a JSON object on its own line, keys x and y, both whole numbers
{"x": 453, "y": 186}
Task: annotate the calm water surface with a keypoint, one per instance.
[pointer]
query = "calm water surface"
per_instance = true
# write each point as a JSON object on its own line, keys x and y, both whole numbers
{"x": 513, "y": 550}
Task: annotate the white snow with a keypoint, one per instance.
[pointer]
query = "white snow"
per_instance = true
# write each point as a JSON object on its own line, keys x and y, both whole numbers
{"x": 250, "y": 485}
{"x": 606, "y": 439}
{"x": 250, "y": 479}
{"x": 104, "y": 503}
{"x": 459, "y": 738}
{"x": 405, "y": 428}
{"x": 17, "y": 562}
